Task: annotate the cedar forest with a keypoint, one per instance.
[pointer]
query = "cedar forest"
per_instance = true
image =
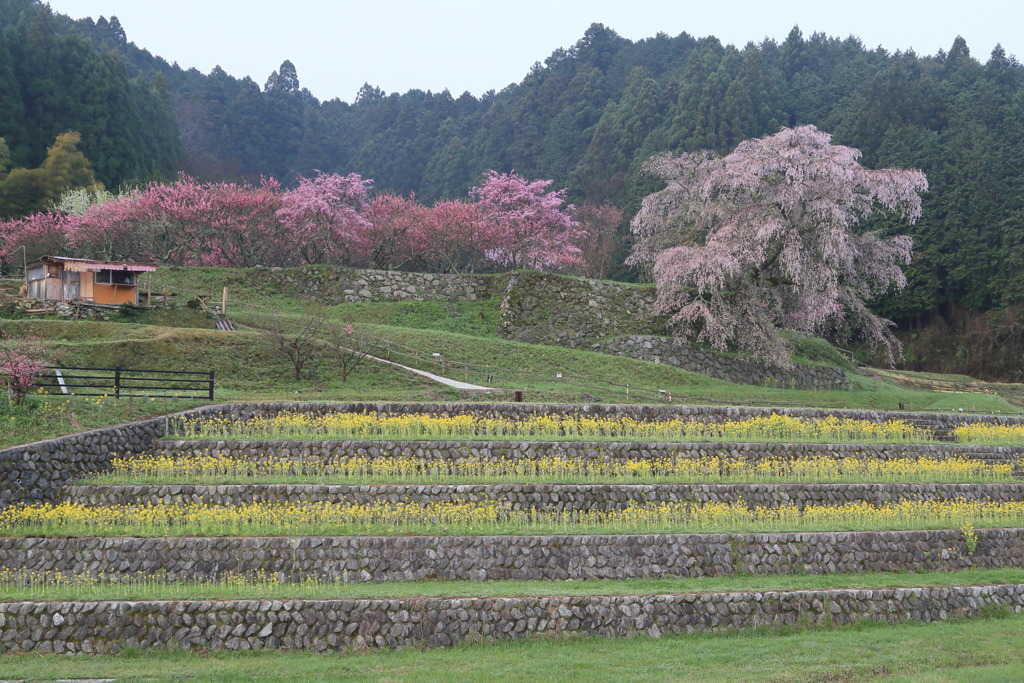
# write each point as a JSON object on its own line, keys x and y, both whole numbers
{"x": 588, "y": 118}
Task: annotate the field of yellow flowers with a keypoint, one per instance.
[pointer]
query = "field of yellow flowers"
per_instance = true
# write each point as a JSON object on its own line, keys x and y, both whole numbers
{"x": 376, "y": 426}
{"x": 161, "y": 468}
{"x": 992, "y": 434}
{"x": 488, "y": 517}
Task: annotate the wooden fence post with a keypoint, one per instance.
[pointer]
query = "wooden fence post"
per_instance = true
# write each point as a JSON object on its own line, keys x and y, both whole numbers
{"x": 210, "y": 397}
{"x": 117, "y": 382}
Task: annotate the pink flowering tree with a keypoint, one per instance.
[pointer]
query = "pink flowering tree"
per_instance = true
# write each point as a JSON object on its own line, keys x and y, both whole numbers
{"x": 765, "y": 237}
{"x": 396, "y": 234}
{"x": 243, "y": 227}
{"x": 189, "y": 223}
{"x": 323, "y": 216}
{"x": 22, "y": 361}
{"x": 40, "y": 233}
{"x": 531, "y": 227}
{"x": 457, "y": 237}
{"x": 166, "y": 222}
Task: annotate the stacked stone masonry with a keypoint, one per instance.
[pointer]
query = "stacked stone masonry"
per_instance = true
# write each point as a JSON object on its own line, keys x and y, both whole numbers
{"x": 541, "y": 308}
{"x": 738, "y": 370}
{"x": 346, "y": 625}
{"x": 520, "y": 558}
{"x": 545, "y": 497}
{"x": 39, "y": 471}
{"x": 351, "y": 285}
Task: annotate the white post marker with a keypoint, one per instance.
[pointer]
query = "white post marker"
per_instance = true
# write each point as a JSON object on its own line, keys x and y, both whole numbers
{"x": 60, "y": 380}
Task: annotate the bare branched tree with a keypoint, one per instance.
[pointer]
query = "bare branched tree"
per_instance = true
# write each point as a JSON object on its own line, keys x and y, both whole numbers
{"x": 297, "y": 339}
{"x": 347, "y": 347}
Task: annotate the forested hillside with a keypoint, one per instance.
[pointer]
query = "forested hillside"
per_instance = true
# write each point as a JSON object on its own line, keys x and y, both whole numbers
{"x": 585, "y": 117}
{"x": 54, "y": 79}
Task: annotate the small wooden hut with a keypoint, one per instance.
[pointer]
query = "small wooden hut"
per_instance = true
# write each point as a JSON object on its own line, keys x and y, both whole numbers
{"x": 58, "y": 278}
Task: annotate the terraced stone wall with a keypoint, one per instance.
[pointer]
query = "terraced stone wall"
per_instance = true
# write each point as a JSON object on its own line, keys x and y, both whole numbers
{"x": 39, "y": 471}
{"x": 729, "y": 368}
{"x": 541, "y": 308}
{"x": 549, "y": 558}
{"x": 941, "y": 423}
{"x": 342, "y": 625}
{"x": 335, "y": 285}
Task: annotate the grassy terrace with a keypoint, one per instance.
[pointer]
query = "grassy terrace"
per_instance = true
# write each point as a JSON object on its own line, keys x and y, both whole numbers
{"x": 248, "y": 368}
{"x": 316, "y": 518}
{"x": 974, "y": 650}
{"x": 51, "y": 586}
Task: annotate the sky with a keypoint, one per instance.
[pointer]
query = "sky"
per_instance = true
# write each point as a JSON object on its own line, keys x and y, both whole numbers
{"x": 477, "y": 45}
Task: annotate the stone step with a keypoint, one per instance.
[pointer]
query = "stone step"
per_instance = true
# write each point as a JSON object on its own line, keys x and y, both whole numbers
{"x": 481, "y": 558}
{"x": 544, "y": 497}
{"x": 355, "y": 625}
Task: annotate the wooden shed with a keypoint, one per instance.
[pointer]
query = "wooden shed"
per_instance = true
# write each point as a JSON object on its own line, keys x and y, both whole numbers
{"x": 58, "y": 278}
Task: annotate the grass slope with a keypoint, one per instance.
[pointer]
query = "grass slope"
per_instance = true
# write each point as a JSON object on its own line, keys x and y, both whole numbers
{"x": 248, "y": 367}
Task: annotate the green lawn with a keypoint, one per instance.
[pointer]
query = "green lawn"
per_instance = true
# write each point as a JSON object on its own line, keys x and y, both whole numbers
{"x": 983, "y": 649}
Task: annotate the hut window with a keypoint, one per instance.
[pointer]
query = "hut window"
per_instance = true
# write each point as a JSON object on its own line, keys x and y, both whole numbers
{"x": 114, "y": 277}
{"x": 36, "y": 273}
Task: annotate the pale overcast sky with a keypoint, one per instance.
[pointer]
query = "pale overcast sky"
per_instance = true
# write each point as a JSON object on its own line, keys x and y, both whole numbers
{"x": 477, "y": 45}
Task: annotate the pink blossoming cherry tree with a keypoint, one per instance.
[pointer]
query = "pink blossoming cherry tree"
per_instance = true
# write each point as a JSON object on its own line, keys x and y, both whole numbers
{"x": 766, "y": 237}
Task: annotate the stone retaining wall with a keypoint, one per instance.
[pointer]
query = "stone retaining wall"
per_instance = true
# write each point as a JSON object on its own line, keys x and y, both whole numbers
{"x": 545, "y": 497}
{"x": 336, "y": 285}
{"x": 729, "y": 368}
{"x": 345, "y": 625}
{"x": 493, "y": 558}
{"x": 332, "y": 452}
{"x": 940, "y": 422}
{"x": 542, "y": 308}
{"x": 38, "y": 471}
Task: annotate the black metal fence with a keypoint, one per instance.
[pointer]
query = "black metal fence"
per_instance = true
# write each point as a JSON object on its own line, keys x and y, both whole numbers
{"x": 127, "y": 382}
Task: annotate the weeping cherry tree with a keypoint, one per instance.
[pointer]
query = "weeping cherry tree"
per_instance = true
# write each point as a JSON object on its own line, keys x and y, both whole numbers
{"x": 767, "y": 237}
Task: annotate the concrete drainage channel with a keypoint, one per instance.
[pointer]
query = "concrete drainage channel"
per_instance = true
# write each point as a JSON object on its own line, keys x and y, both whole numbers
{"x": 42, "y": 471}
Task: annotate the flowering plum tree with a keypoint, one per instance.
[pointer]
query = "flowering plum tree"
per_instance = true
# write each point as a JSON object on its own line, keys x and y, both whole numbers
{"x": 532, "y": 228}
{"x": 457, "y": 237}
{"x": 322, "y": 216}
{"x": 396, "y": 232}
{"x": 40, "y": 233}
{"x": 764, "y": 237}
{"x": 22, "y": 361}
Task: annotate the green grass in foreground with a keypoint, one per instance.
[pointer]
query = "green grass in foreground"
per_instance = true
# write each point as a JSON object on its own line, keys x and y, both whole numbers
{"x": 963, "y": 650}
{"x": 48, "y": 587}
